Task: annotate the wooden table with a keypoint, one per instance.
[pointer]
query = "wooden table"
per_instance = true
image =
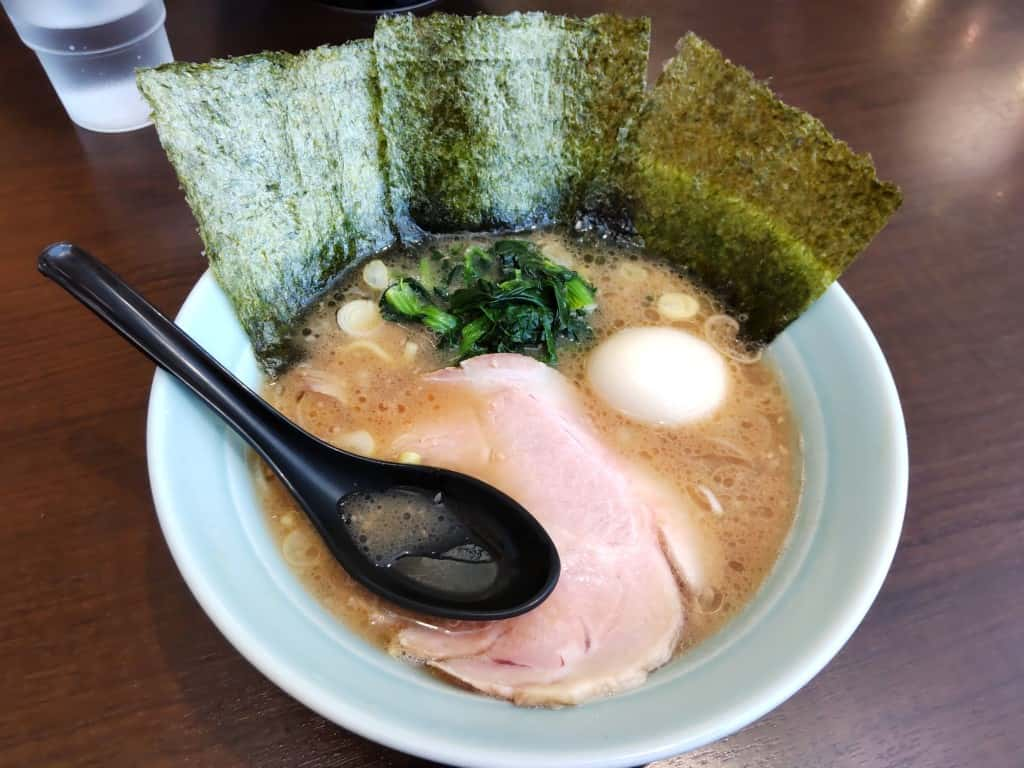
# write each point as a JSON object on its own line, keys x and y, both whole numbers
{"x": 106, "y": 658}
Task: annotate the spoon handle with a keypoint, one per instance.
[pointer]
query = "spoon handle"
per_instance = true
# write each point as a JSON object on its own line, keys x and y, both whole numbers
{"x": 280, "y": 442}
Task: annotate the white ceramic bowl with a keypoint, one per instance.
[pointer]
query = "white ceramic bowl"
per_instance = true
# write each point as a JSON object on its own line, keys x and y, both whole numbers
{"x": 838, "y": 553}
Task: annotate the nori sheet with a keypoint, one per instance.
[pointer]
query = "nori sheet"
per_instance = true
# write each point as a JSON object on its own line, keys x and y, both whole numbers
{"x": 754, "y": 197}
{"x": 280, "y": 159}
{"x": 506, "y": 122}
{"x": 296, "y": 165}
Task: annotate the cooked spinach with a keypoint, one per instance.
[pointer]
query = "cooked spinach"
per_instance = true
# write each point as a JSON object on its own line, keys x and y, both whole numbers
{"x": 506, "y": 298}
{"x": 409, "y": 300}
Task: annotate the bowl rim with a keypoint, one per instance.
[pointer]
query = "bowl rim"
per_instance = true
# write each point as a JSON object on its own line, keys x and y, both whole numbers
{"x": 259, "y": 652}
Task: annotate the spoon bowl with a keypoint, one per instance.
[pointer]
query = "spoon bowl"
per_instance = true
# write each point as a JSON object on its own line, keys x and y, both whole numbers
{"x": 489, "y": 560}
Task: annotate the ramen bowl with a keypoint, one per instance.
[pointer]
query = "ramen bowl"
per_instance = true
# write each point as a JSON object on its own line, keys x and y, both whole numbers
{"x": 840, "y": 547}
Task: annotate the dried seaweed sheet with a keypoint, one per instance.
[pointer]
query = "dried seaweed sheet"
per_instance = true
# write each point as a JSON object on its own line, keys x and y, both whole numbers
{"x": 754, "y": 197}
{"x": 281, "y": 162}
{"x": 295, "y": 165}
{"x": 505, "y": 121}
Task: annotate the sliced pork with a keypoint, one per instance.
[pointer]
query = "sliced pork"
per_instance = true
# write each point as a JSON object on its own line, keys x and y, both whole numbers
{"x": 627, "y": 544}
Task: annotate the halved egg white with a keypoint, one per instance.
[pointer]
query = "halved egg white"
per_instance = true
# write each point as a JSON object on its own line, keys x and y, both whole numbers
{"x": 662, "y": 376}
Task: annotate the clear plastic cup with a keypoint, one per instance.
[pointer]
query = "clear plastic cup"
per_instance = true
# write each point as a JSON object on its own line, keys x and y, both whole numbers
{"x": 90, "y": 49}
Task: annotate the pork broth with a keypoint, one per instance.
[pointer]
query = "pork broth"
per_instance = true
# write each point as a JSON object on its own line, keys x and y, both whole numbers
{"x": 361, "y": 389}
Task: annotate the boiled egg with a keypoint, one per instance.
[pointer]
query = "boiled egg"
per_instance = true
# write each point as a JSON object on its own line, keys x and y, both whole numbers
{"x": 662, "y": 376}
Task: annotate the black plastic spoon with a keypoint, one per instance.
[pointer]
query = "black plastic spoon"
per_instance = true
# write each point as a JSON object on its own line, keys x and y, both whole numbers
{"x": 490, "y": 559}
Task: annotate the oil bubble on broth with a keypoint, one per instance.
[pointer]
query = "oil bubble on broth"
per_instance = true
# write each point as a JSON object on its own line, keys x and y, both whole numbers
{"x": 740, "y": 469}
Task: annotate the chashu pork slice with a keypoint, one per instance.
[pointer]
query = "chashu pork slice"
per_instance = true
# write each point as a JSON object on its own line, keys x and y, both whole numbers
{"x": 626, "y": 543}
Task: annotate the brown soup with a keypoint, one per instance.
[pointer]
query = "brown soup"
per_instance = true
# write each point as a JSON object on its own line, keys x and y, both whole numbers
{"x": 741, "y": 468}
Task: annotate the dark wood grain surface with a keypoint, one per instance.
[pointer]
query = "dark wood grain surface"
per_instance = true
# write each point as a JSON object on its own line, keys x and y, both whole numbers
{"x": 106, "y": 659}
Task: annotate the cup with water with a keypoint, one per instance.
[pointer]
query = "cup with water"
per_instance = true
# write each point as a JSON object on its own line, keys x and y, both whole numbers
{"x": 90, "y": 49}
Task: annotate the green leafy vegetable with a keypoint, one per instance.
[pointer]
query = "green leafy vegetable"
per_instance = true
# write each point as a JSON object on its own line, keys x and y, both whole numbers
{"x": 408, "y": 300}
{"x": 511, "y": 298}
{"x": 280, "y": 160}
{"x": 754, "y": 197}
{"x": 579, "y": 295}
{"x": 506, "y": 121}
